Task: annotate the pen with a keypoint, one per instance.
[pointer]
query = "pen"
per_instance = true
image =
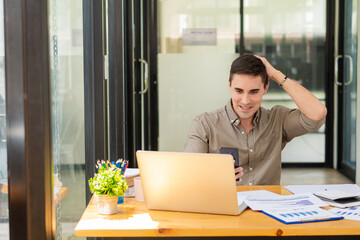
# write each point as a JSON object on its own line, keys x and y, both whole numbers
{"x": 315, "y": 219}
{"x": 126, "y": 165}
{"x": 118, "y": 163}
{"x": 97, "y": 165}
{"x": 103, "y": 163}
{"x": 122, "y": 167}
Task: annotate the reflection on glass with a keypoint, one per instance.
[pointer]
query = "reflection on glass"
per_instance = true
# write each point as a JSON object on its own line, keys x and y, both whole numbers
{"x": 66, "y": 58}
{"x": 176, "y": 17}
{"x": 4, "y": 200}
{"x": 291, "y": 35}
{"x": 350, "y": 76}
{"x": 193, "y": 70}
{"x": 193, "y": 74}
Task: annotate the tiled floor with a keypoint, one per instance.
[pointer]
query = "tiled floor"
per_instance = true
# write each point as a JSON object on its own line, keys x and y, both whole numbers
{"x": 312, "y": 176}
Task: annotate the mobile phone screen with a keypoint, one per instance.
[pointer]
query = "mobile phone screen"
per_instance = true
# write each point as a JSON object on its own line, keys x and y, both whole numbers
{"x": 233, "y": 151}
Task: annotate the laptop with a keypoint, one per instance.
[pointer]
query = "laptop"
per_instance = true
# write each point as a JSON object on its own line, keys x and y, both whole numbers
{"x": 189, "y": 182}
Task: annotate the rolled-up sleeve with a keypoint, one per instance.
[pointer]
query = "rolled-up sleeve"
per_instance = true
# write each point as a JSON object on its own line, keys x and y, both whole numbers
{"x": 197, "y": 140}
{"x": 296, "y": 124}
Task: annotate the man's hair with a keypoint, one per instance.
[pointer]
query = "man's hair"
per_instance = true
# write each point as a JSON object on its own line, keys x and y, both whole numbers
{"x": 250, "y": 65}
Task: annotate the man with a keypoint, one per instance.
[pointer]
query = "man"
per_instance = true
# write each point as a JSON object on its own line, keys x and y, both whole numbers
{"x": 257, "y": 133}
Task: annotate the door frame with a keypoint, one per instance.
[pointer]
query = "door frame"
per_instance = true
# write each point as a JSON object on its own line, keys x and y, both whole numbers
{"x": 330, "y": 138}
{"x": 357, "y": 171}
{"x": 28, "y": 115}
{"x": 140, "y": 121}
{"x": 338, "y": 99}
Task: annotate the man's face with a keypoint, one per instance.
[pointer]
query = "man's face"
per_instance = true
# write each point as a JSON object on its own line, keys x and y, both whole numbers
{"x": 246, "y": 95}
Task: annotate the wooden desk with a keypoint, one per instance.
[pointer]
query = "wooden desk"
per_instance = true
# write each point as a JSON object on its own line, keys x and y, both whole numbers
{"x": 134, "y": 220}
{"x": 59, "y": 196}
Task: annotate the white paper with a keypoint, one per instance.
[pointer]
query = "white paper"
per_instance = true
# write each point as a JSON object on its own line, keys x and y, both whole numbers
{"x": 258, "y": 193}
{"x": 335, "y": 194}
{"x": 286, "y": 201}
{"x": 348, "y": 213}
{"x": 199, "y": 36}
{"x": 130, "y": 192}
{"x": 298, "y": 189}
{"x": 130, "y": 172}
{"x": 302, "y": 214}
{"x": 241, "y": 199}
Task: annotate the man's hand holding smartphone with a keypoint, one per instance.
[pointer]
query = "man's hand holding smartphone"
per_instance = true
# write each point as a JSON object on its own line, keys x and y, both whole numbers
{"x": 235, "y": 153}
{"x": 238, "y": 173}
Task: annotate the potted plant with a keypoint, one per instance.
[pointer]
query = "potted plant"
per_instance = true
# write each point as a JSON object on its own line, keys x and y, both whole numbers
{"x": 108, "y": 184}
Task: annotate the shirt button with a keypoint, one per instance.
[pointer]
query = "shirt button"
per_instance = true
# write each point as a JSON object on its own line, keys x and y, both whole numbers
{"x": 242, "y": 132}
{"x": 250, "y": 169}
{"x": 250, "y": 183}
{"x": 237, "y": 122}
{"x": 251, "y": 150}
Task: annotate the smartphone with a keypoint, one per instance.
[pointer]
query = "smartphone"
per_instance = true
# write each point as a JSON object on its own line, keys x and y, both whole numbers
{"x": 233, "y": 151}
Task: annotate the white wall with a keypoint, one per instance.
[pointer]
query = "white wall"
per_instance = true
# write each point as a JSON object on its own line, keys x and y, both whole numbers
{"x": 188, "y": 86}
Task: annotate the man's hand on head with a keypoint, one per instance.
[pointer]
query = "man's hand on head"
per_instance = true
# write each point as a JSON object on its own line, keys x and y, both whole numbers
{"x": 270, "y": 70}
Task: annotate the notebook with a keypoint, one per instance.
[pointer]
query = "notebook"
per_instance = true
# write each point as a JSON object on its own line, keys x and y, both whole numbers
{"x": 338, "y": 198}
{"x": 189, "y": 182}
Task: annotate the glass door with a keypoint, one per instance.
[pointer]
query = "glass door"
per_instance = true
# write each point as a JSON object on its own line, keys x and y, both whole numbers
{"x": 292, "y": 36}
{"x": 346, "y": 69}
{"x": 67, "y": 98}
{"x": 139, "y": 78}
{"x": 193, "y": 69}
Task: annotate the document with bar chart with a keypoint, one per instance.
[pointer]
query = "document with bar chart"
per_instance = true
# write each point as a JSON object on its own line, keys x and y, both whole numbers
{"x": 302, "y": 215}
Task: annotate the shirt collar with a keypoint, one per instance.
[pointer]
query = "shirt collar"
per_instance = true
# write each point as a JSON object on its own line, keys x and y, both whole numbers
{"x": 257, "y": 116}
{"x": 231, "y": 113}
{"x": 233, "y": 117}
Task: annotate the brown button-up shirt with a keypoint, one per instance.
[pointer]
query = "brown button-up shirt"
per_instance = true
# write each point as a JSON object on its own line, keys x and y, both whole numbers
{"x": 260, "y": 149}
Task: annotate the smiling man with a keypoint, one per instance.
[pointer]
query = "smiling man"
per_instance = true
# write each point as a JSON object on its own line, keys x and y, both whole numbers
{"x": 258, "y": 134}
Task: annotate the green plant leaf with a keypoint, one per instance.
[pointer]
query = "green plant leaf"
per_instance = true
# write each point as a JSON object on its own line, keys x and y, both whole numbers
{"x": 108, "y": 181}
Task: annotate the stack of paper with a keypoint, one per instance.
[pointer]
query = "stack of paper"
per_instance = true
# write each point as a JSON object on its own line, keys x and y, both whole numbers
{"x": 130, "y": 174}
{"x": 298, "y": 189}
{"x": 241, "y": 203}
{"x": 338, "y": 198}
{"x": 281, "y": 202}
{"x": 337, "y": 195}
{"x": 289, "y": 209}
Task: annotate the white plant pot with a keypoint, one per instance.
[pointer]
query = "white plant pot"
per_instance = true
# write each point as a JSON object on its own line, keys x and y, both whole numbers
{"x": 106, "y": 204}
